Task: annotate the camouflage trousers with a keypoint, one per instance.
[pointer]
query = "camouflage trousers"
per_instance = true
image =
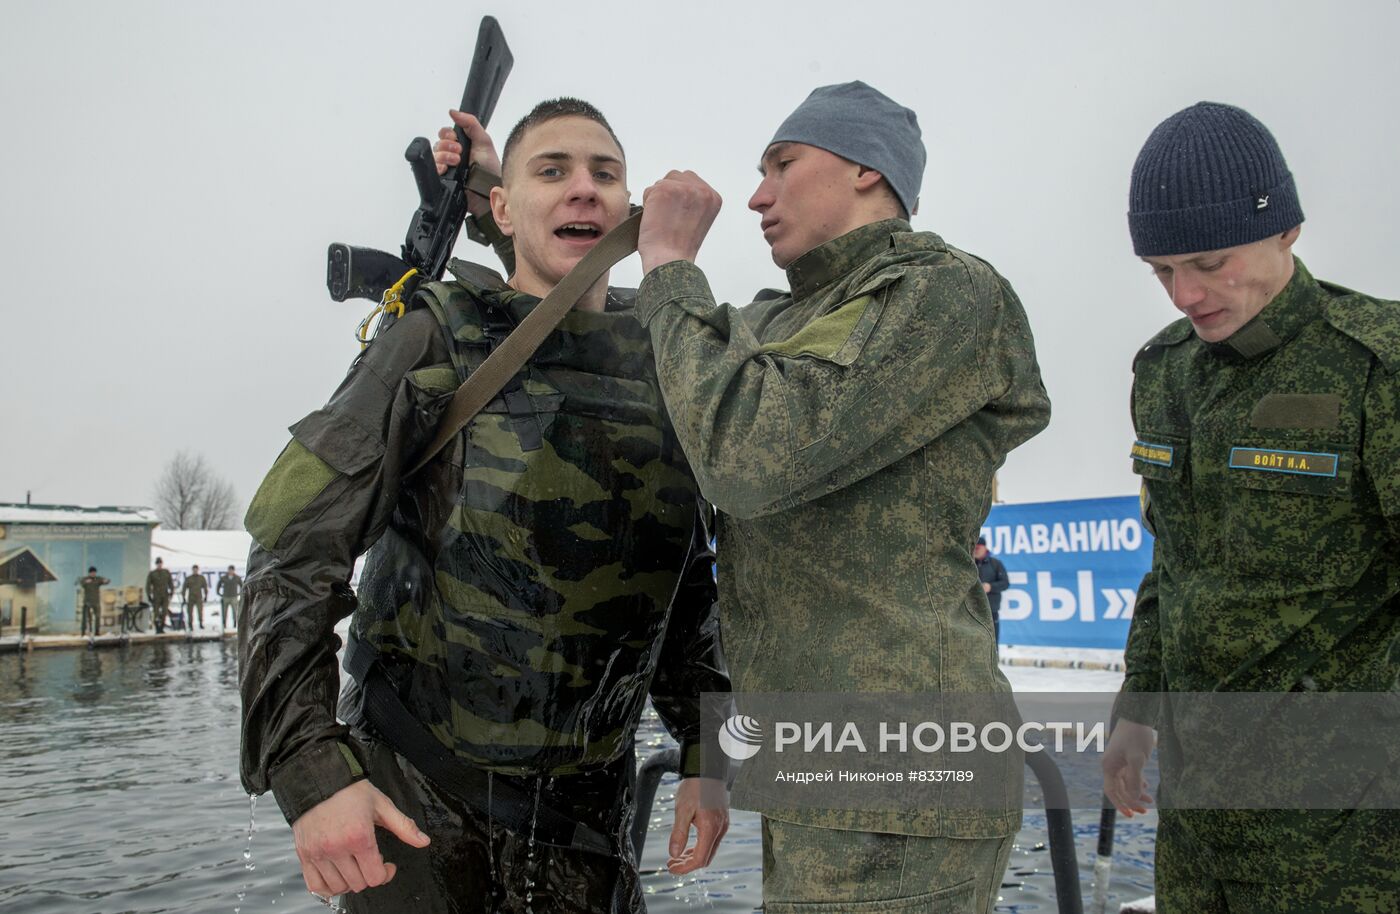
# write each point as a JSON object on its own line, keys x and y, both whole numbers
{"x": 473, "y": 866}
{"x": 1278, "y": 862}
{"x": 228, "y": 607}
{"x": 817, "y": 870}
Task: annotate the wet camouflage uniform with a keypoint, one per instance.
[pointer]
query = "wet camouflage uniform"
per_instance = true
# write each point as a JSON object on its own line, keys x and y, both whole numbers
{"x": 193, "y": 592}
{"x": 848, "y": 433}
{"x": 1271, "y": 470}
{"x": 159, "y": 587}
{"x": 525, "y": 591}
{"x": 92, "y": 585}
{"x": 229, "y": 586}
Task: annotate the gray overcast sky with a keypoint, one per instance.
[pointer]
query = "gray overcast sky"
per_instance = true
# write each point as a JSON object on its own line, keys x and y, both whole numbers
{"x": 173, "y": 171}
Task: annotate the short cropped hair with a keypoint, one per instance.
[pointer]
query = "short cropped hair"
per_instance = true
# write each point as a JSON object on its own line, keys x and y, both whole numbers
{"x": 551, "y": 109}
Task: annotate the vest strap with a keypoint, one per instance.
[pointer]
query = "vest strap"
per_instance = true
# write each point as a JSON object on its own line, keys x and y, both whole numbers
{"x": 508, "y": 805}
{"x": 498, "y": 327}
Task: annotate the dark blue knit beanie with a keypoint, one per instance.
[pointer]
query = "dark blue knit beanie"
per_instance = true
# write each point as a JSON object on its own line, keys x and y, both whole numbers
{"x": 1209, "y": 177}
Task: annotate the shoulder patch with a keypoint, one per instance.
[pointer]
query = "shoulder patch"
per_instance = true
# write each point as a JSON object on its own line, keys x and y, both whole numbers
{"x": 1175, "y": 333}
{"x": 1372, "y": 322}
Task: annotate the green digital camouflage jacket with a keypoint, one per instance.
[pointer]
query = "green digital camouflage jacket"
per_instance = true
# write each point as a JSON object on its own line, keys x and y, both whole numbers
{"x": 527, "y": 589}
{"x": 195, "y": 588}
{"x": 159, "y": 585}
{"x": 848, "y": 433}
{"x": 229, "y": 586}
{"x": 1271, "y": 471}
{"x": 92, "y": 585}
{"x": 1271, "y": 479}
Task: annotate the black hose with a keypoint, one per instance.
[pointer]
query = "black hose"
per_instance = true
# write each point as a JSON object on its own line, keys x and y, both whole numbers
{"x": 1060, "y": 825}
{"x": 648, "y": 778}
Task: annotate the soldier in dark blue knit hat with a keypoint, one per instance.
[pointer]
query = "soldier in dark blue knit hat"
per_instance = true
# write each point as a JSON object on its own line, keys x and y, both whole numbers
{"x": 1268, "y": 441}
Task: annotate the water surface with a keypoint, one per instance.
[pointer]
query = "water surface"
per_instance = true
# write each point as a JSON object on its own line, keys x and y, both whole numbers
{"x": 120, "y": 795}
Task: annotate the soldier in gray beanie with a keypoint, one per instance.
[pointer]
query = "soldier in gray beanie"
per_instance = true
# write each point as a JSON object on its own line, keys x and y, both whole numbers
{"x": 1266, "y": 440}
{"x": 866, "y": 126}
{"x": 849, "y": 429}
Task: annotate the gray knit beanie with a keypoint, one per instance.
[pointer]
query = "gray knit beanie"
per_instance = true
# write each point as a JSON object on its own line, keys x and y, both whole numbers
{"x": 1209, "y": 177}
{"x": 866, "y": 126}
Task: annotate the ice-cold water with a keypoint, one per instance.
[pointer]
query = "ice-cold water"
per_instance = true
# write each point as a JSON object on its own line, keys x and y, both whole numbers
{"x": 120, "y": 795}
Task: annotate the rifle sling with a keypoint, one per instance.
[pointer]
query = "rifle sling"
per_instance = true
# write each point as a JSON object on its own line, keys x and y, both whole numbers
{"x": 482, "y": 181}
{"x": 508, "y": 358}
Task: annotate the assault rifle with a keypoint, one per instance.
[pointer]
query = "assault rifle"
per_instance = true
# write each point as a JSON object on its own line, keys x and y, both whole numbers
{"x": 355, "y": 272}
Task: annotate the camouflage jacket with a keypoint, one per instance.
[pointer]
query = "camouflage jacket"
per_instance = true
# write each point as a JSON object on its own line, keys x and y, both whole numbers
{"x": 159, "y": 585}
{"x": 526, "y": 589}
{"x": 229, "y": 586}
{"x": 92, "y": 585}
{"x": 848, "y": 432}
{"x": 195, "y": 588}
{"x": 1271, "y": 477}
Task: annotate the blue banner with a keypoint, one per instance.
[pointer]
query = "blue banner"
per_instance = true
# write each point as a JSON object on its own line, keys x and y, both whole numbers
{"x": 1074, "y": 567}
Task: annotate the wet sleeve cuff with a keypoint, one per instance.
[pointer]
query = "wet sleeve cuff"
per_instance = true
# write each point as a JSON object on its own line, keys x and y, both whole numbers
{"x": 670, "y": 282}
{"x": 703, "y": 759}
{"x": 314, "y": 775}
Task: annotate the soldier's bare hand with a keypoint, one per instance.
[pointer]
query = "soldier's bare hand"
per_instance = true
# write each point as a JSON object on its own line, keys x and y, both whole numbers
{"x": 1128, "y": 750}
{"x": 703, "y": 803}
{"x": 336, "y": 844}
{"x": 677, "y": 214}
{"x": 448, "y": 152}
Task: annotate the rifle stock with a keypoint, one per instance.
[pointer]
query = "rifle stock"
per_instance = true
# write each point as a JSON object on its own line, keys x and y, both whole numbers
{"x": 355, "y": 272}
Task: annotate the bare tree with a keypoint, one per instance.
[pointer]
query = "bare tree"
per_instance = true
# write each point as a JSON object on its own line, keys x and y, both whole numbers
{"x": 190, "y": 496}
{"x": 218, "y": 507}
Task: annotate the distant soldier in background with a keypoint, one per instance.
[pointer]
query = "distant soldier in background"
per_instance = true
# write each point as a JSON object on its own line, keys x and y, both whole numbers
{"x": 230, "y": 584}
{"x": 992, "y": 573}
{"x": 193, "y": 593}
{"x": 92, "y": 585}
{"x": 159, "y": 587}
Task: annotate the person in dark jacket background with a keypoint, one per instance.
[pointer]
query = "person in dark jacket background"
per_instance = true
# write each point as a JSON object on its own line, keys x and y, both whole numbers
{"x": 994, "y": 580}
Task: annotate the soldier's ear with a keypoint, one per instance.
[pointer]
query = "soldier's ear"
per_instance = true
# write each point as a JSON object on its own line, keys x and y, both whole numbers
{"x": 500, "y": 211}
{"x": 866, "y": 178}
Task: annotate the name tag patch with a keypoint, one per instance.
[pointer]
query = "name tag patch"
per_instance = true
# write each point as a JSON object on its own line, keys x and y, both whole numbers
{"x": 1304, "y": 463}
{"x": 1160, "y": 454}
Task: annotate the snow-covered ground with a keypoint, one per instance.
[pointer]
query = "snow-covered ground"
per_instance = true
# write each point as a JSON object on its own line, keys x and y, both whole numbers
{"x": 1051, "y": 679}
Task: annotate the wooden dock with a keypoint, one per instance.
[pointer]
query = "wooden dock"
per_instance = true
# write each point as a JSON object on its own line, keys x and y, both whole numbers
{"x": 10, "y": 644}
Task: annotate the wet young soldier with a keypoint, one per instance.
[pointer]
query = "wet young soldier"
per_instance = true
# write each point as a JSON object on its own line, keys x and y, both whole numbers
{"x": 848, "y": 431}
{"x": 1285, "y": 578}
{"x": 522, "y": 595}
